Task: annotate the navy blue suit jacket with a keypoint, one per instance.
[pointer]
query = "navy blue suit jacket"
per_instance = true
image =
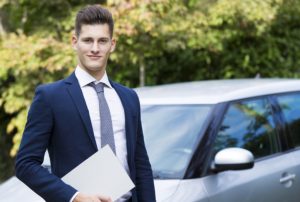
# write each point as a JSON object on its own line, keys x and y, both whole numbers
{"x": 58, "y": 120}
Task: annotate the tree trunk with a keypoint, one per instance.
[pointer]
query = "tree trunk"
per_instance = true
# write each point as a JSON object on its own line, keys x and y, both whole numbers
{"x": 142, "y": 71}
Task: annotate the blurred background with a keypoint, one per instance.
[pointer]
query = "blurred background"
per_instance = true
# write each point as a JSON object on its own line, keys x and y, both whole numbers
{"x": 159, "y": 41}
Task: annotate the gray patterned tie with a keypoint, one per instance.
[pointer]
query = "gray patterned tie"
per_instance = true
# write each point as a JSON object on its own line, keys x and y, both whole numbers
{"x": 107, "y": 134}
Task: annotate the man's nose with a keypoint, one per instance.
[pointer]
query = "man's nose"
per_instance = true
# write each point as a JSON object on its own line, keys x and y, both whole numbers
{"x": 95, "y": 47}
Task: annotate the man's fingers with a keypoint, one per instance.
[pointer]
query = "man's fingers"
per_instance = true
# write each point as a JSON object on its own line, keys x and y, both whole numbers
{"x": 96, "y": 199}
{"x": 104, "y": 198}
{"x": 80, "y": 197}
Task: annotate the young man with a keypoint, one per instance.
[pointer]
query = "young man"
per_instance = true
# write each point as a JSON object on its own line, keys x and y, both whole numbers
{"x": 72, "y": 118}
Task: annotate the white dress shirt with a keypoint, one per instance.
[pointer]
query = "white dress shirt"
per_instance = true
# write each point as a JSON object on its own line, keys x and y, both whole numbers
{"x": 116, "y": 111}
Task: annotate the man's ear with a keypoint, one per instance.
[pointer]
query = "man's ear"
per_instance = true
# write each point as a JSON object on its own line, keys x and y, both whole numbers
{"x": 113, "y": 45}
{"x": 74, "y": 41}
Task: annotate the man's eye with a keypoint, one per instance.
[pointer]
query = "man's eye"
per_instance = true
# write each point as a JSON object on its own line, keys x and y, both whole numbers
{"x": 103, "y": 41}
{"x": 87, "y": 40}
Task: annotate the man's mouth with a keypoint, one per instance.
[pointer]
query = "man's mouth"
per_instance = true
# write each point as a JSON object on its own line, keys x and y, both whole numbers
{"x": 94, "y": 57}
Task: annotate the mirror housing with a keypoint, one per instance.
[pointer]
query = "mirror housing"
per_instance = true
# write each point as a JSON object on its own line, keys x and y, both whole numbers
{"x": 232, "y": 159}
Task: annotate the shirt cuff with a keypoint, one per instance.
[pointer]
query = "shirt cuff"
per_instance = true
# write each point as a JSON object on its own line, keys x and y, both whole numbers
{"x": 71, "y": 200}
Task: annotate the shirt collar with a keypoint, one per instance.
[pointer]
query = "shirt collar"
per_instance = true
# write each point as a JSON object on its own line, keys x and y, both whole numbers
{"x": 85, "y": 78}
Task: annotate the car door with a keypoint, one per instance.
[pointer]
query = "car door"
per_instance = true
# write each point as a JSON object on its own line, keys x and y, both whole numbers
{"x": 290, "y": 108}
{"x": 250, "y": 124}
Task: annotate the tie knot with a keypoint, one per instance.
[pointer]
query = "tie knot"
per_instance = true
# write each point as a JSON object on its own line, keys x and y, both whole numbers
{"x": 98, "y": 87}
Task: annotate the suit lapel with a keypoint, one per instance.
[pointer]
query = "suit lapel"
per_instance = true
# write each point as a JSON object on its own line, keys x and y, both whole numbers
{"x": 77, "y": 96}
{"x": 128, "y": 121}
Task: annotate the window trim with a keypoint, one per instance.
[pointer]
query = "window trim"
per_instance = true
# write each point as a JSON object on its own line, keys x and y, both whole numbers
{"x": 200, "y": 162}
{"x": 277, "y": 143}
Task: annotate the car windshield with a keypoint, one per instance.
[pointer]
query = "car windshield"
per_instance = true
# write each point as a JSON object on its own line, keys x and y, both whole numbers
{"x": 171, "y": 133}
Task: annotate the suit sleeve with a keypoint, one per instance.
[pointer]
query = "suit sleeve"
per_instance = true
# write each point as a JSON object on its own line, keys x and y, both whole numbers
{"x": 144, "y": 178}
{"x": 30, "y": 156}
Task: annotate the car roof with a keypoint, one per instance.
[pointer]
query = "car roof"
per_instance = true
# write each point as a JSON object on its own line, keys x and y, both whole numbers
{"x": 214, "y": 91}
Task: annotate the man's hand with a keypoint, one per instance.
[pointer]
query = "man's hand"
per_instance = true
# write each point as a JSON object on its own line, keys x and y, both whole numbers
{"x": 91, "y": 198}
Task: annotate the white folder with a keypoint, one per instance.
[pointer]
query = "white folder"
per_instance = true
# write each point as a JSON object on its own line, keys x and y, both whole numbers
{"x": 102, "y": 174}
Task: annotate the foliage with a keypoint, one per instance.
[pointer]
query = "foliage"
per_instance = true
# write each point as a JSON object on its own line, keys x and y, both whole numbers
{"x": 159, "y": 41}
{"x": 40, "y": 16}
{"x": 181, "y": 41}
{"x": 27, "y": 61}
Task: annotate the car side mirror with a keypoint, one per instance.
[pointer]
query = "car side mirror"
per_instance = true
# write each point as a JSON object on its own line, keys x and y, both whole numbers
{"x": 232, "y": 159}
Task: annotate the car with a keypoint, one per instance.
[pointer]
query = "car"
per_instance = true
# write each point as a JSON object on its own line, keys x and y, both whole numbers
{"x": 13, "y": 190}
{"x": 224, "y": 140}
{"x": 221, "y": 140}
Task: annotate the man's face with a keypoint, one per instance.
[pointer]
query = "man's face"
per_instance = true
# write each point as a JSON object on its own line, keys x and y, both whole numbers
{"x": 93, "y": 47}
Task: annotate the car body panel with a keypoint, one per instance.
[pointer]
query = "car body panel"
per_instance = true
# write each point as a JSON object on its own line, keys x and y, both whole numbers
{"x": 214, "y": 91}
{"x": 190, "y": 190}
{"x": 258, "y": 184}
{"x": 14, "y": 190}
{"x": 165, "y": 189}
{"x": 296, "y": 181}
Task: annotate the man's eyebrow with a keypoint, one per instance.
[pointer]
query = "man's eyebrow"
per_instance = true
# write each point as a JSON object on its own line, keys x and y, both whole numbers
{"x": 106, "y": 38}
{"x": 87, "y": 37}
{"x": 100, "y": 38}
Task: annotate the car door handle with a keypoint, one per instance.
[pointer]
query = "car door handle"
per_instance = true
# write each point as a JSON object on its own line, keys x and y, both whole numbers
{"x": 287, "y": 178}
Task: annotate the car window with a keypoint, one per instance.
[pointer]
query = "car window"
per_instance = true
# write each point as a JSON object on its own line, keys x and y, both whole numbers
{"x": 171, "y": 133}
{"x": 248, "y": 124}
{"x": 290, "y": 106}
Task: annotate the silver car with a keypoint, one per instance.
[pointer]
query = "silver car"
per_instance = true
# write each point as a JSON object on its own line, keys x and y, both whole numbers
{"x": 215, "y": 141}
{"x": 225, "y": 140}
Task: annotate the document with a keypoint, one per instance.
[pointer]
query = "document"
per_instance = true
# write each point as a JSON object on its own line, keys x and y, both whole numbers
{"x": 102, "y": 174}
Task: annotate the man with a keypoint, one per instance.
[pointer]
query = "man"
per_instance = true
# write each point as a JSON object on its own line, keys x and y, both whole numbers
{"x": 65, "y": 119}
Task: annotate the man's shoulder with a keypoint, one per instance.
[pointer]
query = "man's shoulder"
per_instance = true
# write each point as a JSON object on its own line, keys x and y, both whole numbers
{"x": 51, "y": 86}
{"x": 124, "y": 89}
{"x": 52, "y": 89}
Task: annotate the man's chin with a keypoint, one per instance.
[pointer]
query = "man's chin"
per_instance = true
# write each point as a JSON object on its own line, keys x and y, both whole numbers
{"x": 95, "y": 67}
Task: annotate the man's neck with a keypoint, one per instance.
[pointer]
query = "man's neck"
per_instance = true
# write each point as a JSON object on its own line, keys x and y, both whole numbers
{"x": 98, "y": 75}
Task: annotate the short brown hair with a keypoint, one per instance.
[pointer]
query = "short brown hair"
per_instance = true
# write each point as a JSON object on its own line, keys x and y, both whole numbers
{"x": 94, "y": 14}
